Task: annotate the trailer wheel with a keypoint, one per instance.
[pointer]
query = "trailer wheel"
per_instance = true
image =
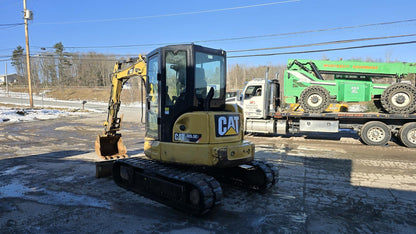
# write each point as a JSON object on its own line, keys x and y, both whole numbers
{"x": 314, "y": 99}
{"x": 407, "y": 135}
{"x": 375, "y": 133}
{"x": 399, "y": 98}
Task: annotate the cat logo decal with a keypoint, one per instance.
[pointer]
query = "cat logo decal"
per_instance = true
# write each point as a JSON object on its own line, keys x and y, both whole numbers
{"x": 227, "y": 125}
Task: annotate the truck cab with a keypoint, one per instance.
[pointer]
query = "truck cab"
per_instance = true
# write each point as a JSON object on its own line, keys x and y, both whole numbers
{"x": 260, "y": 97}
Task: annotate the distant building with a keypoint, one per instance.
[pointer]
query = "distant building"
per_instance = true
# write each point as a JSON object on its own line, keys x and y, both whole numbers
{"x": 11, "y": 78}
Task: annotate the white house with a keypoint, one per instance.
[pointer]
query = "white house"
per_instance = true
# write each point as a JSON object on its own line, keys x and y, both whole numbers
{"x": 11, "y": 78}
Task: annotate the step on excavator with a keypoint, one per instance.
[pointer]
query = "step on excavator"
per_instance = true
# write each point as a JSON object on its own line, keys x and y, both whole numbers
{"x": 193, "y": 139}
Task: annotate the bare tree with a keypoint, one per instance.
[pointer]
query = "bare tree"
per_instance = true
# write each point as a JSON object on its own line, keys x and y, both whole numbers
{"x": 63, "y": 64}
{"x": 238, "y": 74}
{"x": 93, "y": 69}
{"x": 18, "y": 62}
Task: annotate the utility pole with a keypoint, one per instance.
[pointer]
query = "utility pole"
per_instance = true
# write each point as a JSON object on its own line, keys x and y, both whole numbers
{"x": 7, "y": 86}
{"x": 28, "y": 15}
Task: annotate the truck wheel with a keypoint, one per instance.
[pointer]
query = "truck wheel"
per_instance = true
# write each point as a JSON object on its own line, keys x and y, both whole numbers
{"x": 407, "y": 135}
{"x": 314, "y": 99}
{"x": 399, "y": 98}
{"x": 375, "y": 133}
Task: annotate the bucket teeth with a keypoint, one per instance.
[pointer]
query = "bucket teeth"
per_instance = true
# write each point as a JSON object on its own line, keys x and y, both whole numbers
{"x": 110, "y": 147}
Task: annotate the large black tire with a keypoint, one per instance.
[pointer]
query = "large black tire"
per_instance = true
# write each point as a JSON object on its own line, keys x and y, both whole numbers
{"x": 375, "y": 133}
{"x": 399, "y": 98}
{"x": 407, "y": 135}
{"x": 314, "y": 99}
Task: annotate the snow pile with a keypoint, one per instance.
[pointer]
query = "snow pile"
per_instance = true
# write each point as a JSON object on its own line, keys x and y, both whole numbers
{"x": 17, "y": 115}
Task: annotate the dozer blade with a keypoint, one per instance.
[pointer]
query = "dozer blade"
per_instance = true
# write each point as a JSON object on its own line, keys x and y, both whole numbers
{"x": 110, "y": 147}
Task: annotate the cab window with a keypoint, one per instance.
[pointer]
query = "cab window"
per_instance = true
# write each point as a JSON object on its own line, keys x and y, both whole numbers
{"x": 209, "y": 73}
{"x": 253, "y": 91}
{"x": 175, "y": 76}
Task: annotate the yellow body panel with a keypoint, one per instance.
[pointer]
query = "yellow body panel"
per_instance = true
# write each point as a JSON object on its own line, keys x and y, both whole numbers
{"x": 203, "y": 123}
{"x": 151, "y": 148}
{"x": 205, "y": 139}
{"x": 194, "y": 123}
{"x": 221, "y": 155}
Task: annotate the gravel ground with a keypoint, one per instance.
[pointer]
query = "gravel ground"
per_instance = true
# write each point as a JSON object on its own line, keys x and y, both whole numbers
{"x": 328, "y": 184}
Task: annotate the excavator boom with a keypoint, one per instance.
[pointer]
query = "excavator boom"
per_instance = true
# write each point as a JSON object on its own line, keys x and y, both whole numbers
{"x": 110, "y": 144}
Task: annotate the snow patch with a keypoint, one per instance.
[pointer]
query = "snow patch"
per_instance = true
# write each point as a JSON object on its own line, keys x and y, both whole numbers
{"x": 15, "y": 190}
{"x": 13, "y": 170}
{"x": 15, "y": 115}
{"x": 18, "y": 190}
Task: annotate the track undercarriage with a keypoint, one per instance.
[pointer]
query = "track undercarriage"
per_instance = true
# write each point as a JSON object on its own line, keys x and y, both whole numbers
{"x": 193, "y": 190}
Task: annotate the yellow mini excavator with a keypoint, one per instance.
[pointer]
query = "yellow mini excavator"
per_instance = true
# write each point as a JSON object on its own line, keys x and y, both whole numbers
{"x": 192, "y": 139}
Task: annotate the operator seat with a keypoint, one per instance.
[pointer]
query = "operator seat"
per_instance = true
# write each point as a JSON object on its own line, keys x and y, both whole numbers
{"x": 200, "y": 83}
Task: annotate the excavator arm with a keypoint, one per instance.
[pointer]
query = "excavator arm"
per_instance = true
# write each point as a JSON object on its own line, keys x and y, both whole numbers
{"x": 110, "y": 145}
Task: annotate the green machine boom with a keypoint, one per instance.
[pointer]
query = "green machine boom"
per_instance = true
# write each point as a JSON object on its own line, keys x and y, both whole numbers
{"x": 315, "y": 83}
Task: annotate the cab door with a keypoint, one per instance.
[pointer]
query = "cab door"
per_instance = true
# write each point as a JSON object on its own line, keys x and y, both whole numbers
{"x": 253, "y": 101}
{"x": 152, "y": 97}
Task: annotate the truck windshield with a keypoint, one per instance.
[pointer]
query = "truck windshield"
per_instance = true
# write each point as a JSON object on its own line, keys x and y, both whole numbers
{"x": 209, "y": 73}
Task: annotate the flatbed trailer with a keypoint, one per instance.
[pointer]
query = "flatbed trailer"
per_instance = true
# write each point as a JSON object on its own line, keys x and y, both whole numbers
{"x": 373, "y": 128}
{"x": 263, "y": 114}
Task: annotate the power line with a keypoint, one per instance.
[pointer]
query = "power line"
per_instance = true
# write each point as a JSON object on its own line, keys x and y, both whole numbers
{"x": 169, "y": 15}
{"x": 324, "y": 43}
{"x": 323, "y": 50}
{"x": 36, "y": 56}
{"x": 9, "y": 26}
{"x": 243, "y": 38}
{"x": 307, "y": 45}
{"x": 269, "y": 54}
{"x": 312, "y": 31}
{"x": 14, "y": 24}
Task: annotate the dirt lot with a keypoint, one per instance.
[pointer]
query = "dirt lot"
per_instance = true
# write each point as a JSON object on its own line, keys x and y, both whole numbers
{"x": 328, "y": 184}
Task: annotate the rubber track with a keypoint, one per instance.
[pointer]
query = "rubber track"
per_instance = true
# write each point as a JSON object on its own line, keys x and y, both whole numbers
{"x": 258, "y": 175}
{"x": 271, "y": 172}
{"x": 209, "y": 189}
{"x": 271, "y": 175}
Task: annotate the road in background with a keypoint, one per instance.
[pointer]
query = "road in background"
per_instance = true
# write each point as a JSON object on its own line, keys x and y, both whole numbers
{"x": 131, "y": 111}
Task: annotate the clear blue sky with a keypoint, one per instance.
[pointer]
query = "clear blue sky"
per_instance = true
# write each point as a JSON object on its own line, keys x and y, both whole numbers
{"x": 92, "y": 23}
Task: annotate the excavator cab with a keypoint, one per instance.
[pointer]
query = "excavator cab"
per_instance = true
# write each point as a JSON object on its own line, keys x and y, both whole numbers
{"x": 187, "y": 120}
{"x": 178, "y": 80}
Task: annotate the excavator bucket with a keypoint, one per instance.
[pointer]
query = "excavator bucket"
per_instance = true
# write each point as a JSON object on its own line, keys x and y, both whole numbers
{"x": 110, "y": 147}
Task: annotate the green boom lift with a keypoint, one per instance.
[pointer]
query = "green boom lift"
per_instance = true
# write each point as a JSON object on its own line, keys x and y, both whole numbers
{"x": 351, "y": 81}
